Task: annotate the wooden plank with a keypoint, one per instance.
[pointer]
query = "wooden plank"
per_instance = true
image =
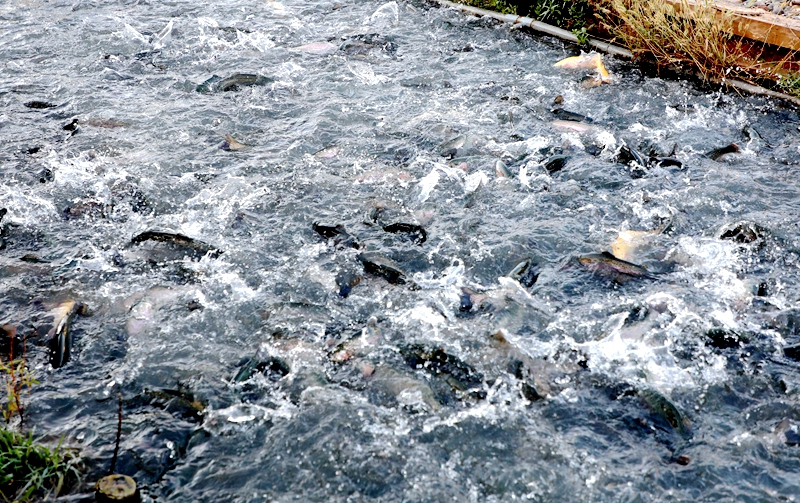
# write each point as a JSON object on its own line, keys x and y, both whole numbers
{"x": 755, "y": 24}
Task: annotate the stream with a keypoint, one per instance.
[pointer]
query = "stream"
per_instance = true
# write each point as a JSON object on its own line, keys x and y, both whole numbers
{"x": 354, "y": 252}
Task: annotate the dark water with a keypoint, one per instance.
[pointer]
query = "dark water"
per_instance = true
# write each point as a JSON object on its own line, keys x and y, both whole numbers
{"x": 570, "y": 387}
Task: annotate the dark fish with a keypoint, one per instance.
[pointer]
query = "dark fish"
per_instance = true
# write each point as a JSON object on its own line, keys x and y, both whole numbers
{"x": 380, "y": 265}
{"x": 526, "y": 272}
{"x": 627, "y": 155}
{"x": 39, "y": 105}
{"x": 3, "y": 212}
{"x": 196, "y": 249}
{"x": 232, "y": 83}
{"x": 449, "y": 149}
{"x": 72, "y": 126}
{"x": 634, "y": 159}
{"x": 346, "y": 280}
{"x": 273, "y": 368}
{"x": 231, "y": 144}
{"x": 60, "y": 342}
{"x": 436, "y": 362}
{"x": 556, "y": 163}
{"x": 719, "y": 152}
{"x": 607, "y": 265}
{"x": 744, "y": 233}
{"x": 466, "y": 300}
{"x": 32, "y": 258}
{"x": 177, "y": 402}
{"x": 365, "y": 43}
{"x": 46, "y": 176}
{"x": 792, "y": 352}
{"x": 89, "y": 209}
{"x": 336, "y": 233}
{"x": 415, "y": 232}
{"x": 566, "y": 115}
{"x": 660, "y": 406}
{"x": 667, "y": 162}
{"x": 722, "y": 338}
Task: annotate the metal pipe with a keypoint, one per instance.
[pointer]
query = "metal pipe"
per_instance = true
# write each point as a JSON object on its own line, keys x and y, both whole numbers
{"x": 541, "y": 27}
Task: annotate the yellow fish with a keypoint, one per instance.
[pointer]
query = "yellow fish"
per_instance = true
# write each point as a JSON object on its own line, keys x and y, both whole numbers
{"x": 591, "y": 61}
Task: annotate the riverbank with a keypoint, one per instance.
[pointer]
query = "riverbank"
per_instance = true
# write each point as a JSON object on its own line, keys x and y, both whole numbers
{"x": 717, "y": 41}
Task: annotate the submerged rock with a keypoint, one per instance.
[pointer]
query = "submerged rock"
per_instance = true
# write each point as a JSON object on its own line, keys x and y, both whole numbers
{"x": 116, "y": 488}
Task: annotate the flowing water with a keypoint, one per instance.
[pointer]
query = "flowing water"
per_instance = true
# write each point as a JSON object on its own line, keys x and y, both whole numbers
{"x": 252, "y": 374}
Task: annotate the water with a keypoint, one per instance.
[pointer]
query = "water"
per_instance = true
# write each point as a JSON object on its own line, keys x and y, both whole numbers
{"x": 355, "y": 402}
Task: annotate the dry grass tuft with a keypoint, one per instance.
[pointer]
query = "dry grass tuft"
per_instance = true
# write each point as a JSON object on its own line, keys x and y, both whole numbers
{"x": 695, "y": 38}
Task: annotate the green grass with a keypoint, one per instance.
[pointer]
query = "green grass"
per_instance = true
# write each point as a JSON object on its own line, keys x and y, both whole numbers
{"x": 790, "y": 84}
{"x": 30, "y": 470}
{"x": 495, "y": 5}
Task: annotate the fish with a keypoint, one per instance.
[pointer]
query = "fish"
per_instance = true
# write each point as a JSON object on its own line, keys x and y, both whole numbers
{"x": 319, "y": 48}
{"x": 526, "y": 272}
{"x": 162, "y": 38}
{"x": 231, "y": 144}
{"x": 436, "y": 362}
{"x": 607, "y": 265}
{"x": 380, "y": 265}
{"x": 591, "y": 61}
{"x": 338, "y": 234}
{"x": 328, "y": 152}
{"x": 415, "y": 232}
{"x": 60, "y": 335}
{"x": 272, "y": 367}
{"x": 501, "y": 170}
{"x": 192, "y": 247}
{"x": 555, "y": 163}
{"x": 662, "y": 407}
{"x": 450, "y": 148}
{"x": 232, "y": 83}
{"x": 628, "y": 241}
{"x": 39, "y": 105}
{"x": 746, "y": 233}
{"x": 566, "y": 115}
{"x": 3, "y": 212}
{"x": 665, "y": 162}
{"x": 719, "y": 152}
{"x": 579, "y": 127}
{"x": 346, "y": 280}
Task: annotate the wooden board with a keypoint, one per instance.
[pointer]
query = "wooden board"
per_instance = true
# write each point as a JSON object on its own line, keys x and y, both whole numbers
{"x": 756, "y": 24}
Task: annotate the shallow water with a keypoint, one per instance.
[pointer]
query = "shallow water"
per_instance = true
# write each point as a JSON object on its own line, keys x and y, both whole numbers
{"x": 355, "y": 403}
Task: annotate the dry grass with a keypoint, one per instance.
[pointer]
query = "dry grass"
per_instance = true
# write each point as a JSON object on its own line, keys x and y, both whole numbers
{"x": 696, "y": 38}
